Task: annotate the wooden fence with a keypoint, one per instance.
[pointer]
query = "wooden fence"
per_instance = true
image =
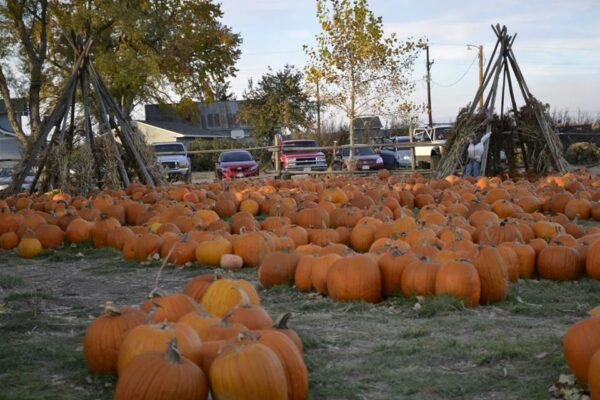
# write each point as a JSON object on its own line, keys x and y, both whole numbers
{"x": 277, "y": 148}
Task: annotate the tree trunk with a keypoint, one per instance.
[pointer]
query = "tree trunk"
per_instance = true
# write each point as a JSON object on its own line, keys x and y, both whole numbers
{"x": 10, "y": 110}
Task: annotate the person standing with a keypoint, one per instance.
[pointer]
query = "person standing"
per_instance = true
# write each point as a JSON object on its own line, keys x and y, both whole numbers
{"x": 475, "y": 152}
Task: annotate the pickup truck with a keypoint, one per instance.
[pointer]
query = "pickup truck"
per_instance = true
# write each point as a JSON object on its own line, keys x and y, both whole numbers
{"x": 301, "y": 160}
{"x": 174, "y": 160}
{"x": 437, "y": 136}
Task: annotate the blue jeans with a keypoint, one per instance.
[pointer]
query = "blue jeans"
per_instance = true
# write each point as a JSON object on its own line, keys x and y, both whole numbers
{"x": 472, "y": 168}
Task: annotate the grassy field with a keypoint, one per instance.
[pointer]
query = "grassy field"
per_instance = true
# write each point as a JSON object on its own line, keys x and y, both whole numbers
{"x": 431, "y": 348}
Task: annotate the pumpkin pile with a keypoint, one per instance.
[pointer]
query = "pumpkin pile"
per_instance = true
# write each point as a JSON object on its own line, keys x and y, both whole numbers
{"x": 213, "y": 337}
{"x": 581, "y": 345}
{"x": 346, "y": 237}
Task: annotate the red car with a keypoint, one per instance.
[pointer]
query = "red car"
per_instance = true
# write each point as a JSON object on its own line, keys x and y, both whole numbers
{"x": 235, "y": 164}
{"x": 302, "y": 160}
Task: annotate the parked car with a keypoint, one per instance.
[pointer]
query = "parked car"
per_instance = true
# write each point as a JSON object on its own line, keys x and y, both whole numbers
{"x": 394, "y": 158}
{"x": 301, "y": 160}
{"x": 437, "y": 136}
{"x": 365, "y": 158}
{"x": 174, "y": 160}
{"x": 235, "y": 164}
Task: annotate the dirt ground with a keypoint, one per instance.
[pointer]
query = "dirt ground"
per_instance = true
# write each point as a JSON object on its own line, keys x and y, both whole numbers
{"x": 430, "y": 348}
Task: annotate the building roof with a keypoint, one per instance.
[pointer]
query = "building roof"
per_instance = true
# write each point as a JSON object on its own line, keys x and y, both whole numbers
{"x": 214, "y": 120}
{"x": 191, "y": 131}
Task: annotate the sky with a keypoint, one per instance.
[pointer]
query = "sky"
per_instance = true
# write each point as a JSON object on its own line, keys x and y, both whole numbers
{"x": 557, "y": 44}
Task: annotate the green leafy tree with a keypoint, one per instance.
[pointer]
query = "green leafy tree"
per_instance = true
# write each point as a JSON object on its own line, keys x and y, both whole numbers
{"x": 359, "y": 69}
{"x": 148, "y": 50}
{"x": 277, "y": 103}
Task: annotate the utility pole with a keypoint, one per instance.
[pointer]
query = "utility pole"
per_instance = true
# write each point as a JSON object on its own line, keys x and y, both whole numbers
{"x": 429, "y": 64}
{"x": 480, "y": 55}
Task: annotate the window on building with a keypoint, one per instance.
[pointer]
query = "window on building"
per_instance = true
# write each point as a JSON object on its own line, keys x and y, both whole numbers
{"x": 213, "y": 121}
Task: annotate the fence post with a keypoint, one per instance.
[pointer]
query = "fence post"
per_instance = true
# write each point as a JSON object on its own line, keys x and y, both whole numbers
{"x": 333, "y": 154}
{"x": 413, "y": 156}
{"x": 277, "y": 155}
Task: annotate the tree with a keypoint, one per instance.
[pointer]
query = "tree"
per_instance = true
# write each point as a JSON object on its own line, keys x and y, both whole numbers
{"x": 360, "y": 70}
{"x": 149, "y": 50}
{"x": 276, "y": 104}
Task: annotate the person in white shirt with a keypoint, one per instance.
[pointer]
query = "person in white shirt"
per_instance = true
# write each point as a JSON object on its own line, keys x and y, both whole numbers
{"x": 475, "y": 152}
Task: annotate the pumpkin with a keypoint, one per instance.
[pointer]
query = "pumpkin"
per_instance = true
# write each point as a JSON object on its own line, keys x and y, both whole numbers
{"x": 291, "y": 360}
{"x": 224, "y": 329}
{"x": 459, "y": 278}
{"x": 592, "y": 262}
{"x": 29, "y": 246}
{"x": 418, "y": 277}
{"x": 559, "y": 263}
{"x": 594, "y": 376}
{"x": 221, "y": 296}
{"x": 248, "y": 371}
{"x": 169, "y": 307}
{"x": 320, "y": 271}
{"x": 50, "y": 236}
{"x": 511, "y": 261}
{"x": 303, "y": 274}
{"x": 9, "y": 240}
{"x": 525, "y": 256}
{"x": 198, "y": 320}
{"x": 254, "y": 247}
{"x": 118, "y": 237}
{"x": 101, "y": 229}
{"x": 103, "y": 337}
{"x": 197, "y": 286}
{"x": 493, "y": 275}
{"x": 580, "y": 343}
{"x": 148, "y": 338}
{"x": 79, "y": 231}
{"x": 278, "y": 268}
{"x": 231, "y": 261}
{"x": 250, "y": 315}
{"x": 160, "y": 375}
{"x": 391, "y": 266}
{"x": 281, "y": 325}
{"x": 209, "y": 351}
{"x": 354, "y": 278}
{"x": 141, "y": 247}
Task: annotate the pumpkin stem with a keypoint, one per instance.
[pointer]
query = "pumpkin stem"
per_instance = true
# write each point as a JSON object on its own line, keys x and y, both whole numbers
{"x": 152, "y": 312}
{"x": 110, "y": 309}
{"x": 173, "y": 353}
{"x": 245, "y": 298}
{"x": 248, "y": 335}
{"x": 281, "y": 322}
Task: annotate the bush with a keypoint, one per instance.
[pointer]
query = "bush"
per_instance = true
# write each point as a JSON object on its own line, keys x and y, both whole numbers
{"x": 583, "y": 153}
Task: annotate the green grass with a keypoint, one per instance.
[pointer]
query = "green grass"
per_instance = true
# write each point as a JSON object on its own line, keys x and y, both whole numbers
{"x": 8, "y": 281}
{"x": 439, "y": 349}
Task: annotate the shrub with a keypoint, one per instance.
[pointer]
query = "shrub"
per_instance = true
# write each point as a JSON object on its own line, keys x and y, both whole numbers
{"x": 583, "y": 153}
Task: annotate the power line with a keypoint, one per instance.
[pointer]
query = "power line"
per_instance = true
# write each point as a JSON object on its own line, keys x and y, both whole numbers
{"x": 459, "y": 79}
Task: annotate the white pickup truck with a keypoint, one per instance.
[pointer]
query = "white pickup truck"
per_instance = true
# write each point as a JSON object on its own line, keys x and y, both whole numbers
{"x": 437, "y": 136}
{"x": 174, "y": 160}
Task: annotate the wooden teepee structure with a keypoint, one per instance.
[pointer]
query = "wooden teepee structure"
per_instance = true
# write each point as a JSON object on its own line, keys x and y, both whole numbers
{"x": 539, "y": 147}
{"x": 61, "y": 128}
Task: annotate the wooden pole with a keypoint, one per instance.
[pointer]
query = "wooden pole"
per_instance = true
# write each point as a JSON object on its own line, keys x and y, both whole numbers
{"x": 126, "y": 133}
{"x": 413, "y": 154}
{"x": 107, "y": 127}
{"x": 33, "y": 150}
{"x": 88, "y": 126}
